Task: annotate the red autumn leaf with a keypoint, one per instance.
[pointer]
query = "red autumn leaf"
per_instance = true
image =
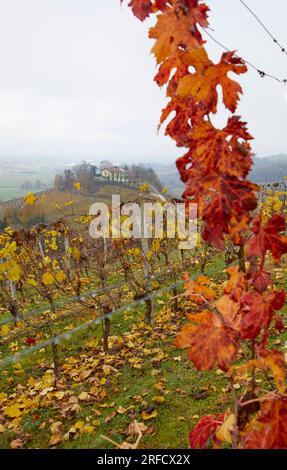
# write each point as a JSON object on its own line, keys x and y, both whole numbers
{"x": 161, "y": 4}
{"x": 269, "y": 430}
{"x": 202, "y": 84}
{"x": 179, "y": 126}
{"x": 226, "y": 151}
{"x": 209, "y": 341}
{"x": 257, "y": 312}
{"x": 279, "y": 324}
{"x": 141, "y": 8}
{"x": 219, "y": 200}
{"x": 204, "y": 431}
{"x": 277, "y": 299}
{"x": 261, "y": 280}
{"x": 268, "y": 237}
{"x": 185, "y": 111}
{"x": 30, "y": 341}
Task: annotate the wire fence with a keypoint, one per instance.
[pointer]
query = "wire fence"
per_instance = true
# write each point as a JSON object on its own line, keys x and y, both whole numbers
{"x": 78, "y": 298}
{"x": 260, "y": 71}
{"x": 62, "y": 303}
{"x": 56, "y": 339}
{"x": 266, "y": 29}
{"x": 65, "y": 336}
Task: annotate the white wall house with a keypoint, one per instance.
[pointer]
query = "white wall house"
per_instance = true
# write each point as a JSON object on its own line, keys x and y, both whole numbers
{"x": 115, "y": 174}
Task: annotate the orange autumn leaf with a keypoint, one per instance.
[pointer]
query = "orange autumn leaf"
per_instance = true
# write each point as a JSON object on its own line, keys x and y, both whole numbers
{"x": 238, "y": 226}
{"x": 209, "y": 341}
{"x": 229, "y": 311}
{"x": 275, "y": 361}
{"x": 225, "y": 150}
{"x": 202, "y": 84}
{"x": 237, "y": 283}
{"x": 178, "y": 29}
{"x": 199, "y": 291}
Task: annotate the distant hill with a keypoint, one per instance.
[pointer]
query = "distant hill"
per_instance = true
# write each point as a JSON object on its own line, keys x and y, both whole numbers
{"x": 269, "y": 169}
{"x": 265, "y": 170}
{"x": 57, "y": 204}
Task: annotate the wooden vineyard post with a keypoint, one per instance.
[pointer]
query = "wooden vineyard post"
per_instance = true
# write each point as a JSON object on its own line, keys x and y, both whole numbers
{"x": 149, "y": 315}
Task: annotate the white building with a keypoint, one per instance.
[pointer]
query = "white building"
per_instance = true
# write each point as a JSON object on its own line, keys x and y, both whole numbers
{"x": 114, "y": 173}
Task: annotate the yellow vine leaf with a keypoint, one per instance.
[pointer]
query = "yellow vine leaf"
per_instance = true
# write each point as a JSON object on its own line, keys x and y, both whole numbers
{"x": 30, "y": 199}
{"x": 47, "y": 279}
{"x": 224, "y": 433}
{"x": 13, "y": 273}
{"x": 13, "y": 411}
{"x": 60, "y": 276}
{"x": 4, "y": 331}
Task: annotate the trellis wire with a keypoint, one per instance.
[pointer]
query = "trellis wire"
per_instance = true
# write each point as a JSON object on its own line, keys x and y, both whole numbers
{"x": 261, "y": 72}
{"x": 283, "y": 49}
{"x": 65, "y": 336}
{"x": 63, "y": 303}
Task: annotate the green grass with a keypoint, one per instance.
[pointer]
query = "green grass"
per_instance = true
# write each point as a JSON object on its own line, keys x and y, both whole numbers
{"x": 174, "y": 418}
{"x": 10, "y": 183}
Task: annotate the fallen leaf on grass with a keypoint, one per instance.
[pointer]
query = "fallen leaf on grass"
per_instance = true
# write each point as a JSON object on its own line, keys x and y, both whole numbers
{"x": 110, "y": 417}
{"x": 177, "y": 359}
{"x": 146, "y": 415}
{"x": 132, "y": 429}
{"x": 181, "y": 418}
{"x": 13, "y": 411}
{"x": 84, "y": 396}
{"x": 17, "y": 443}
{"x": 56, "y": 428}
{"x": 200, "y": 394}
{"x": 55, "y": 440}
{"x": 159, "y": 386}
{"x": 46, "y": 391}
{"x": 158, "y": 399}
{"x": 121, "y": 410}
{"x": 56, "y": 431}
{"x": 3, "y": 397}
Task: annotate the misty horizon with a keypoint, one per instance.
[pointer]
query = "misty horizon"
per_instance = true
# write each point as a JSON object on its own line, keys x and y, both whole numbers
{"x": 95, "y": 159}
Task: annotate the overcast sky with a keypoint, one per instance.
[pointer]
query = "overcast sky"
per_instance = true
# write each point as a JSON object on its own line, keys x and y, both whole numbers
{"x": 77, "y": 79}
